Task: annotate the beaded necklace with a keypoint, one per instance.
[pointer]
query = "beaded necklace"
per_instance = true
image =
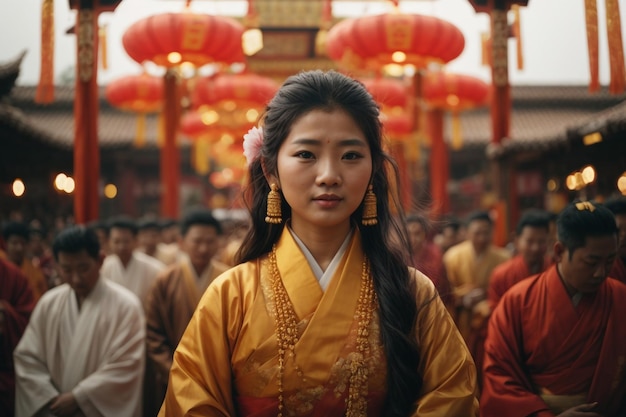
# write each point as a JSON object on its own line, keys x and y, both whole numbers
{"x": 287, "y": 337}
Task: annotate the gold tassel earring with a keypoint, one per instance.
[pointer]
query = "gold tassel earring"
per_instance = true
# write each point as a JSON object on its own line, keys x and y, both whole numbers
{"x": 274, "y": 213}
{"x": 369, "y": 208}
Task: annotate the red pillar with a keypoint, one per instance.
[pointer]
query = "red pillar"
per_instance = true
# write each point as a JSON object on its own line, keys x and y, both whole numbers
{"x": 86, "y": 150}
{"x": 439, "y": 164}
{"x": 501, "y": 91}
{"x": 170, "y": 154}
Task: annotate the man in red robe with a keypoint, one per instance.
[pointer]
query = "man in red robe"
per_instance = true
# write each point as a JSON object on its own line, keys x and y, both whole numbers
{"x": 555, "y": 341}
{"x": 618, "y": 207}
{"x": 531, "y": 243}
{"x": 16, "y": 304}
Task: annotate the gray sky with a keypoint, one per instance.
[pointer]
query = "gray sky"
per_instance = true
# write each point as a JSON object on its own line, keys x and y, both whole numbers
{"x": 554, "y": 37}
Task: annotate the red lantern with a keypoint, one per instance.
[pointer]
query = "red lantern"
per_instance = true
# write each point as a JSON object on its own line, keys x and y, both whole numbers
{"x": 397, "y": 126}
{"x": 233, "y": 101}
{"x": 137, "y": 93}
{"x": 394, "y": 38}
{"x": 245, "y": 90}
{"x": 393, "y": 98}
{"x": 210, "y": 138}
{"x": 195, "y": 124}
{"x": 387, "y": 92}
{"x": 172, "y": 38}
{"x": 454, "y": 92}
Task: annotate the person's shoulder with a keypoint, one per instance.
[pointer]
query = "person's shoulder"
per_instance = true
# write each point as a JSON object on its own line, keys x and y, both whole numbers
{"x": 521, "y": 290}
{"x": 503, "y": 253}
{"x": 219, "y": 267}
{"x": 503, "y": 268}
{"x": 52, "y": 297}
{"x": 455, "y": 250}
{"x": 54, "y": 293}
{"x": 239, "y": 278}
{"x": 122, "y": 295}
{"x": 169, "y": 272}
{"x": 152, "y": 262}
{"x": 10, "y": 271}
{"x": 617, "y": 287}
{"x": 109, "y": 261}
{"x": 423, "y": 285}
{"x": 244, "y": 270}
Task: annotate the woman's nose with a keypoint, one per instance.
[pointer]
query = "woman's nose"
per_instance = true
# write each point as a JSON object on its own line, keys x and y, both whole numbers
{"x": 328, "y": 173}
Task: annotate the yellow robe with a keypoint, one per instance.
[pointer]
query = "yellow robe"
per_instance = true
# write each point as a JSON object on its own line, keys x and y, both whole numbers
{"x": 467, "y": 272}
{"x": 226, "y": 363}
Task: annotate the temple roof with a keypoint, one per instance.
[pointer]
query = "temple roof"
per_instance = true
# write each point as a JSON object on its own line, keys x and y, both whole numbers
{"x": 543, "y": 117}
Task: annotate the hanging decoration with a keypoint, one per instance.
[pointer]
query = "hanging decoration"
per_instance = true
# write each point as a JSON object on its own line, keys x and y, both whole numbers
{"x": 103, "y": 41}
{"x": 170, "y": 39}
{"x": 371, "y": 42}
{"x": 591, "y": 23}
{"x": 252, "y": 39}
{"x": 45, "y": 88}
{"x": 517, "y": 34}
{"x": 141, "y": 94}
{"x": 616, "y": 47}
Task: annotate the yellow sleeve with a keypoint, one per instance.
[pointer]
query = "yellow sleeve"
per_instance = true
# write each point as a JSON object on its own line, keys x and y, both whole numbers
{"x": 446, "y": 366}
{"x": 200, "y": 381}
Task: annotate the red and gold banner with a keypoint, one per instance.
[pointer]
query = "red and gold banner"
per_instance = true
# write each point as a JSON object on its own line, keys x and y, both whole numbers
{"x": 591, "y": 20}
{"x": 45, "y": 89}
{"x": 616, "y": 47}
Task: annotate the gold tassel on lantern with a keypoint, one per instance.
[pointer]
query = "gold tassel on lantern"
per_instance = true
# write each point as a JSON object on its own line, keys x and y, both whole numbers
{"x": 457, "y": 135}
{"x": 201, "y": 156}
{"x": 517, "y": 31}
{"x": 591, "y": 21}
{"x": 45, "y": 89}
{"x": 616, "y": 48}
{"x": 102, "y": 39}
{"x": 140, "y": 134}
{"x": 485, "y": 48}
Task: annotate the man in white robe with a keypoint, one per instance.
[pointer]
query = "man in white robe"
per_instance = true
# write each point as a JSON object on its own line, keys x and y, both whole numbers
{"x": 126, "y": 265}
{"x": 83, "y": 351}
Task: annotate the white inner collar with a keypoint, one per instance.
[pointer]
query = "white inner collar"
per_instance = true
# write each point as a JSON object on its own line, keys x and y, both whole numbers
{"x": 323, "y": 277}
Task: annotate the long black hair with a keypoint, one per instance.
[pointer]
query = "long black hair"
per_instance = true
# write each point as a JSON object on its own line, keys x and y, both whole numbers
{"x": 384, "y": 244}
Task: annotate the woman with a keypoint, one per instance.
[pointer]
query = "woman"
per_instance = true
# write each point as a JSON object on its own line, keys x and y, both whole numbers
{"x": 322, "y": 317}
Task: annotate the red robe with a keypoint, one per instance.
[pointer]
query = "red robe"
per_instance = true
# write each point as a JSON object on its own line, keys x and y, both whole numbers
{"x": 507, "y": 274}
{"x": 430, "y": 262}
{"x": 619, "y": 270}
{"x": 16, "y": 304}
{"x": 538, "y": 340}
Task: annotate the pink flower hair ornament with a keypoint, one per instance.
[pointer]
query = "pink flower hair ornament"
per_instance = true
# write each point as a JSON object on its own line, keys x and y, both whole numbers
{"x": 252, "y": 142}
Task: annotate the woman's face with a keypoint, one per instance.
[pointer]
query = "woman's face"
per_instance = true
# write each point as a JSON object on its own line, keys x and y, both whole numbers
{"x": 324, "y": 168}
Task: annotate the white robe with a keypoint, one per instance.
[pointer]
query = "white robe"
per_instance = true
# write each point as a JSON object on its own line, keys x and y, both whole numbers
{"x": 97, "y": 353}
{"x": 138, "y": 276}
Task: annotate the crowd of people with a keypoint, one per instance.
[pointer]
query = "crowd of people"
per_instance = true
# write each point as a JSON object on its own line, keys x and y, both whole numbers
{"x": 328, "y": 301}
